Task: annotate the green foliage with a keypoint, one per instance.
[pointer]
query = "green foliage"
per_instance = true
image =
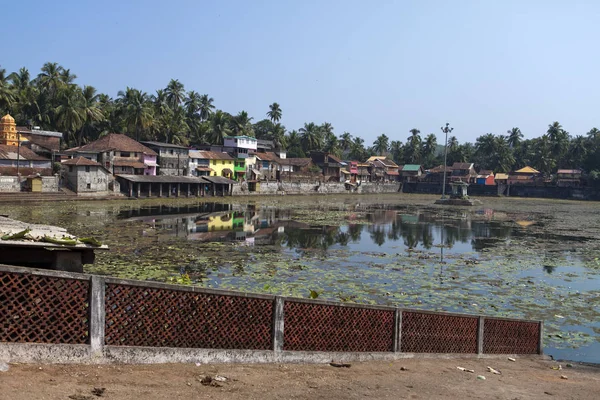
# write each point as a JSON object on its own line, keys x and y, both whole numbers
{"x": 53, "y": 100}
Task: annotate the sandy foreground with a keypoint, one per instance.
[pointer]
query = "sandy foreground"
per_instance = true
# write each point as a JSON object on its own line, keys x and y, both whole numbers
{"x": 527, "y": 378}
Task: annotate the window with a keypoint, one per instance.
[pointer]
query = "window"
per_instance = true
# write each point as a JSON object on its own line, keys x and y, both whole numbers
{"x": 223, "y": 162}
{"x": 171, "y": 151}
{"x": 125, "y": 154}
{"x": 214, "y": 162}
{"x": 70, "y": 168}
{"x": 88, "y": 186}
{"x": 87, "y": 168}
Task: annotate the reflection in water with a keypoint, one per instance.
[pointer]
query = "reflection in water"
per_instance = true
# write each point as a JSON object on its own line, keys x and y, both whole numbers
{"x": 254, "y": 225}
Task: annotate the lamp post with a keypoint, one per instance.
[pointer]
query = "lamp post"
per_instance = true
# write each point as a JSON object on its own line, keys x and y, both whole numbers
{"x": 446, "y": 129}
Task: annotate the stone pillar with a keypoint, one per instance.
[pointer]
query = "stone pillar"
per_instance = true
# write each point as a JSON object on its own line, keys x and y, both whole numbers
{"x": 188, "y": 190}
{"x": 178, "y": 189}
{"x": 130, "y": 188}
{"x": 138, "y": 189}
{"x": 199, "y": 186}
{"x": 169, "y": 194}
{"x": 160, "y": 190}
{"x": 149, "y": 190}
{"x": 97, "y": 314}
{"x": 278, "y": 324}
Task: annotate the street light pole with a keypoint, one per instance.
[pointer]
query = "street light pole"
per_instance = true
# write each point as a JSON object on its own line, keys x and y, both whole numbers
{"x": 445, "y": 129}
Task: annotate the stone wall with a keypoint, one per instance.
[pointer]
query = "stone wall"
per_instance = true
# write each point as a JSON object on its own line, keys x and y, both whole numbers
{"x": 9, "y": 184}
{"x": 315, "y": 188}
{"x": 50, "y": 183}
{"x": 78, "y": 179}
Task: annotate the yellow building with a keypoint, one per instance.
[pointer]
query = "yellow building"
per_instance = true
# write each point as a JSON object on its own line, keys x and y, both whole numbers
{"x": 8, "y": 131}
{"x": 221, "y": 164}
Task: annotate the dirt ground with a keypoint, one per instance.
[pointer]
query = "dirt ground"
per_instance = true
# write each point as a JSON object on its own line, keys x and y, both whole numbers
{"x": 527, "y": 378}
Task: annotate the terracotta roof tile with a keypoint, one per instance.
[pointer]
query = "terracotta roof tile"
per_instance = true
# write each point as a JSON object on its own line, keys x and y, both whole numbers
{"x": 10, "y": 153}
{"x": 114, "y": 141}
{"x": 80, "y": 161}
{"x": 213, "y": 155}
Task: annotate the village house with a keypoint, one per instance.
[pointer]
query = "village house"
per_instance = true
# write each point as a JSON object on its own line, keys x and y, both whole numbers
{"x": 84, "y": 176}
{"x": 501, "y": 178}
{"x": 119, "y": 154}
{"x": 18, "y": 160}
{"x": 268, "y": 166}
{"x": 330, "y": 165}
{"x": 568, "y": 178}
{"x": 296, "y": 167}
{"x": 172, "y": 159}
{"x": 436, "y": 174}
{"x": 411, "y": 173}
{"x": 363, "y": 172}
{"x": 220, "y": 164}
{"x": 242, "y": 147}
{"x": 524, "y": 176}
{"x": 485, "y": 177}
{"x": 464, "y": 172}
{"x": 199, "y": 166}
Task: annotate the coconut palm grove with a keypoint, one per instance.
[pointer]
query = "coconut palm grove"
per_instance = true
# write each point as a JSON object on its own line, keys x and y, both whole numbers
{"x": 53, "y": 100}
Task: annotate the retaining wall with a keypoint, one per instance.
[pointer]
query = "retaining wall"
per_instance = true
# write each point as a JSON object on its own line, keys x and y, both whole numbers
{"x": 59, "y": 317}
{"x": 274, "y": 187}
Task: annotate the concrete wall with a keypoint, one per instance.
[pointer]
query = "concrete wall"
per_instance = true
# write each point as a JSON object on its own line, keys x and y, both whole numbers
{"x": 50, "y": 183}
{"x": 97, "y": 350}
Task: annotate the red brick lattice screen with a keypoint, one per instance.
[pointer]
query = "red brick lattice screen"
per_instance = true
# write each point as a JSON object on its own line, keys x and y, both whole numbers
{"x": 319, "y": 327}
{"x": 139, "y": 316}
{"x": 438, "y": 333}
{"x": 43, "y": 309}
{"x": 510, "y": 337}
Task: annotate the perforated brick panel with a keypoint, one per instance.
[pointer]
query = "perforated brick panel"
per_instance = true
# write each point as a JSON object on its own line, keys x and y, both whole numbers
{"x": 137, "y": 316}
{"x": 319, "y": 327}
{"x": 42, "y": 309}
{"x": 438, "y": 333}
{"x": 510, "y": 337}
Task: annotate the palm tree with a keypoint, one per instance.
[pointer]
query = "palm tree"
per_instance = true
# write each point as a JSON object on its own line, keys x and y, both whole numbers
{"x": 175, "y": 93}
{"x": 241, "y": 124}
{"x": 69, "y": 112}
{"x": 397, "y": 151}
{"x": 50, "y": 79}
{"x": 414, "y": 146}
{"x": 358, "y": 151}
{"x": 206, "y": 107}
{"x": 67, "y": 77}
{"x": 430, "y": 147}
{"x": 381, "y": 144}
{"x": 311, "y": 136}
{"x": 514, "y": 137}
{"x": 7, "y": 95}
{"x": 90, "y": 110}
{"x": 277, "y": 134}
{"x": 274, "y": 112}
{"x": 136, "y": 110}
{"x": 219, "y": 127}
{"x": 593, "y": 134}
{"x": 345, "y": 141}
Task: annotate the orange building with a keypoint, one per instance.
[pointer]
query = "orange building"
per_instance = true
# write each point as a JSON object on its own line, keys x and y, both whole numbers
{"x": 8, "y": 131}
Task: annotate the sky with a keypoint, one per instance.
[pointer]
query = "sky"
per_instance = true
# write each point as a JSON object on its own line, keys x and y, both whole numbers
{"x": 366, "y": 67}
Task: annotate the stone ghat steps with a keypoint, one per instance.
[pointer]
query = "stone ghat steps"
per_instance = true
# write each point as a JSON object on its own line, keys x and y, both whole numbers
{"x": 45, "y": 196}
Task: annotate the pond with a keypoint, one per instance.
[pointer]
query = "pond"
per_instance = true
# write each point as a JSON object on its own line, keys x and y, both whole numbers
{"x": 498, "y": 259}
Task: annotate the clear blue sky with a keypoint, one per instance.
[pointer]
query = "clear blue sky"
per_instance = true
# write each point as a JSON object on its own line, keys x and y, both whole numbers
{"x": 367, "y": 67}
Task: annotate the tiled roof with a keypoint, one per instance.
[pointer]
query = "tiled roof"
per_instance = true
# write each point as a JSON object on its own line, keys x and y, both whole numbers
{"x": 501, "y": 176}
{"x": 486, "y": 172}
{"x": 10, "y": 153}
{"x": 440, "y": 169}
{"x": 113, "y": 141}
{"x": 268, "y": 156}
{"x": 298, "y": 162}
{"x": 373, "y": 158}
{"x": 334, "y": 158}
{"x": 80, "y": 161}
{"x": 458, "y": 165}
{"x": 527, "y": 170}
{"x": 125, "y": 162}
{"x": 212, "y": 155}
{"x": 160, "y": 144}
